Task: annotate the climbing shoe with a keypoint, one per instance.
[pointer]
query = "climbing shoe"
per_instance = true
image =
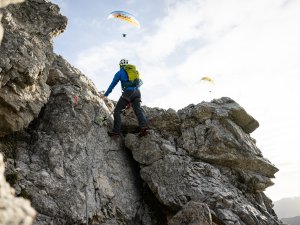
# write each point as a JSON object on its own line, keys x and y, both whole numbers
{"x": 143, "y": 131}
{"x": 113, "y": 134}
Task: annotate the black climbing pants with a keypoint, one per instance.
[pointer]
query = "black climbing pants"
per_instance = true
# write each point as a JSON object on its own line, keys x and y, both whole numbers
{"x": 133, "y": 96}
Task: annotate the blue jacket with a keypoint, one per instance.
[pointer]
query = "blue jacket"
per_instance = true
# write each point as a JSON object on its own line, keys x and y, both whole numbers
{"x": 122, "y": 76}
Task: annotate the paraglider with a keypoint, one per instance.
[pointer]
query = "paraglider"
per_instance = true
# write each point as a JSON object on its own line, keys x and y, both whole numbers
{"x": 208, "y": 79}
{"x": 125, "y": 16}
{"x": 207, "y": 83}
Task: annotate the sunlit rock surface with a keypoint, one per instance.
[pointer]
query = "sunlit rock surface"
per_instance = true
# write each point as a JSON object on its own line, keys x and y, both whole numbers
{"x": 26, "y": 56}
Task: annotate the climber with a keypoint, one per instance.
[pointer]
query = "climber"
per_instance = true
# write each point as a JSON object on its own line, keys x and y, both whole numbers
{"x": 130, "y": 83}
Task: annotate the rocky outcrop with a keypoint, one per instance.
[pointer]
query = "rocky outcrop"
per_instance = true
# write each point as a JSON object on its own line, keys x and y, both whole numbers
{"x": 26, "y": 56}
{"x": 213, "y": 160}
{"x": 67, "y": 164}
{"x": 198, "y": 165}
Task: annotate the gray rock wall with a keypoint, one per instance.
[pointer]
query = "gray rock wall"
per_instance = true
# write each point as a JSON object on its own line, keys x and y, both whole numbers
{"x": 26, "y": 54}
{"x": 211, "y": 160}
{"x": 67, "y": 164}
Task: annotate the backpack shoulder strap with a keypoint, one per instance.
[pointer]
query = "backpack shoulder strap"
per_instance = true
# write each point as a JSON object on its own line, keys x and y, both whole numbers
{"x": 129, "y": 67}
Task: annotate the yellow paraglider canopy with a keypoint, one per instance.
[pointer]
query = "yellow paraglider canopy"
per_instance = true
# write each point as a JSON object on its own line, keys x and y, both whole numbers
{"x": 208, "y": 79}
{"x": 207, "y": 84}
{"x": 122, "y": 15}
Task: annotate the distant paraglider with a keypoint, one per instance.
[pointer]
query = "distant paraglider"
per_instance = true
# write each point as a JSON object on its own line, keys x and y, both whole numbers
{"x": 125, "y": 16}
{"x": 207, "y": 83}
{"x": 207, "y": 79}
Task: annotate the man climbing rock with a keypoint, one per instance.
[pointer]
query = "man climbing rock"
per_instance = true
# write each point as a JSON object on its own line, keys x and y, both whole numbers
{"x": 130, "y": 83}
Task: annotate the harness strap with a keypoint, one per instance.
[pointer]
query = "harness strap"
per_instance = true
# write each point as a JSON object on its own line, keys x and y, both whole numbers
{"x": 139, "y": 99}
{"x": 126, "y": 98}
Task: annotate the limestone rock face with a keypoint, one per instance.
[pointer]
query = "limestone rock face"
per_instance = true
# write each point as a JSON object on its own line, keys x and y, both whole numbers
{"x": 13, "y": 210}
{"x": 26, "y": 54}
{"x": 193, "y": 213}
{"x": 66, "y": 162}
{"x": 213, "y": 160}
{"x": 198, "y": 165}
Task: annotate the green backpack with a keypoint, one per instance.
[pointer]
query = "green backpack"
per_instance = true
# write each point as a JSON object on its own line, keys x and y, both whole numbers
{"x": 134, "y": 79}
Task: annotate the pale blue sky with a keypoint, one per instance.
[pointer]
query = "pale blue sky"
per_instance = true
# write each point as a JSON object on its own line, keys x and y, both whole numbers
{"x": 88, "y": 23}
{"x": 250, "y": 48}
